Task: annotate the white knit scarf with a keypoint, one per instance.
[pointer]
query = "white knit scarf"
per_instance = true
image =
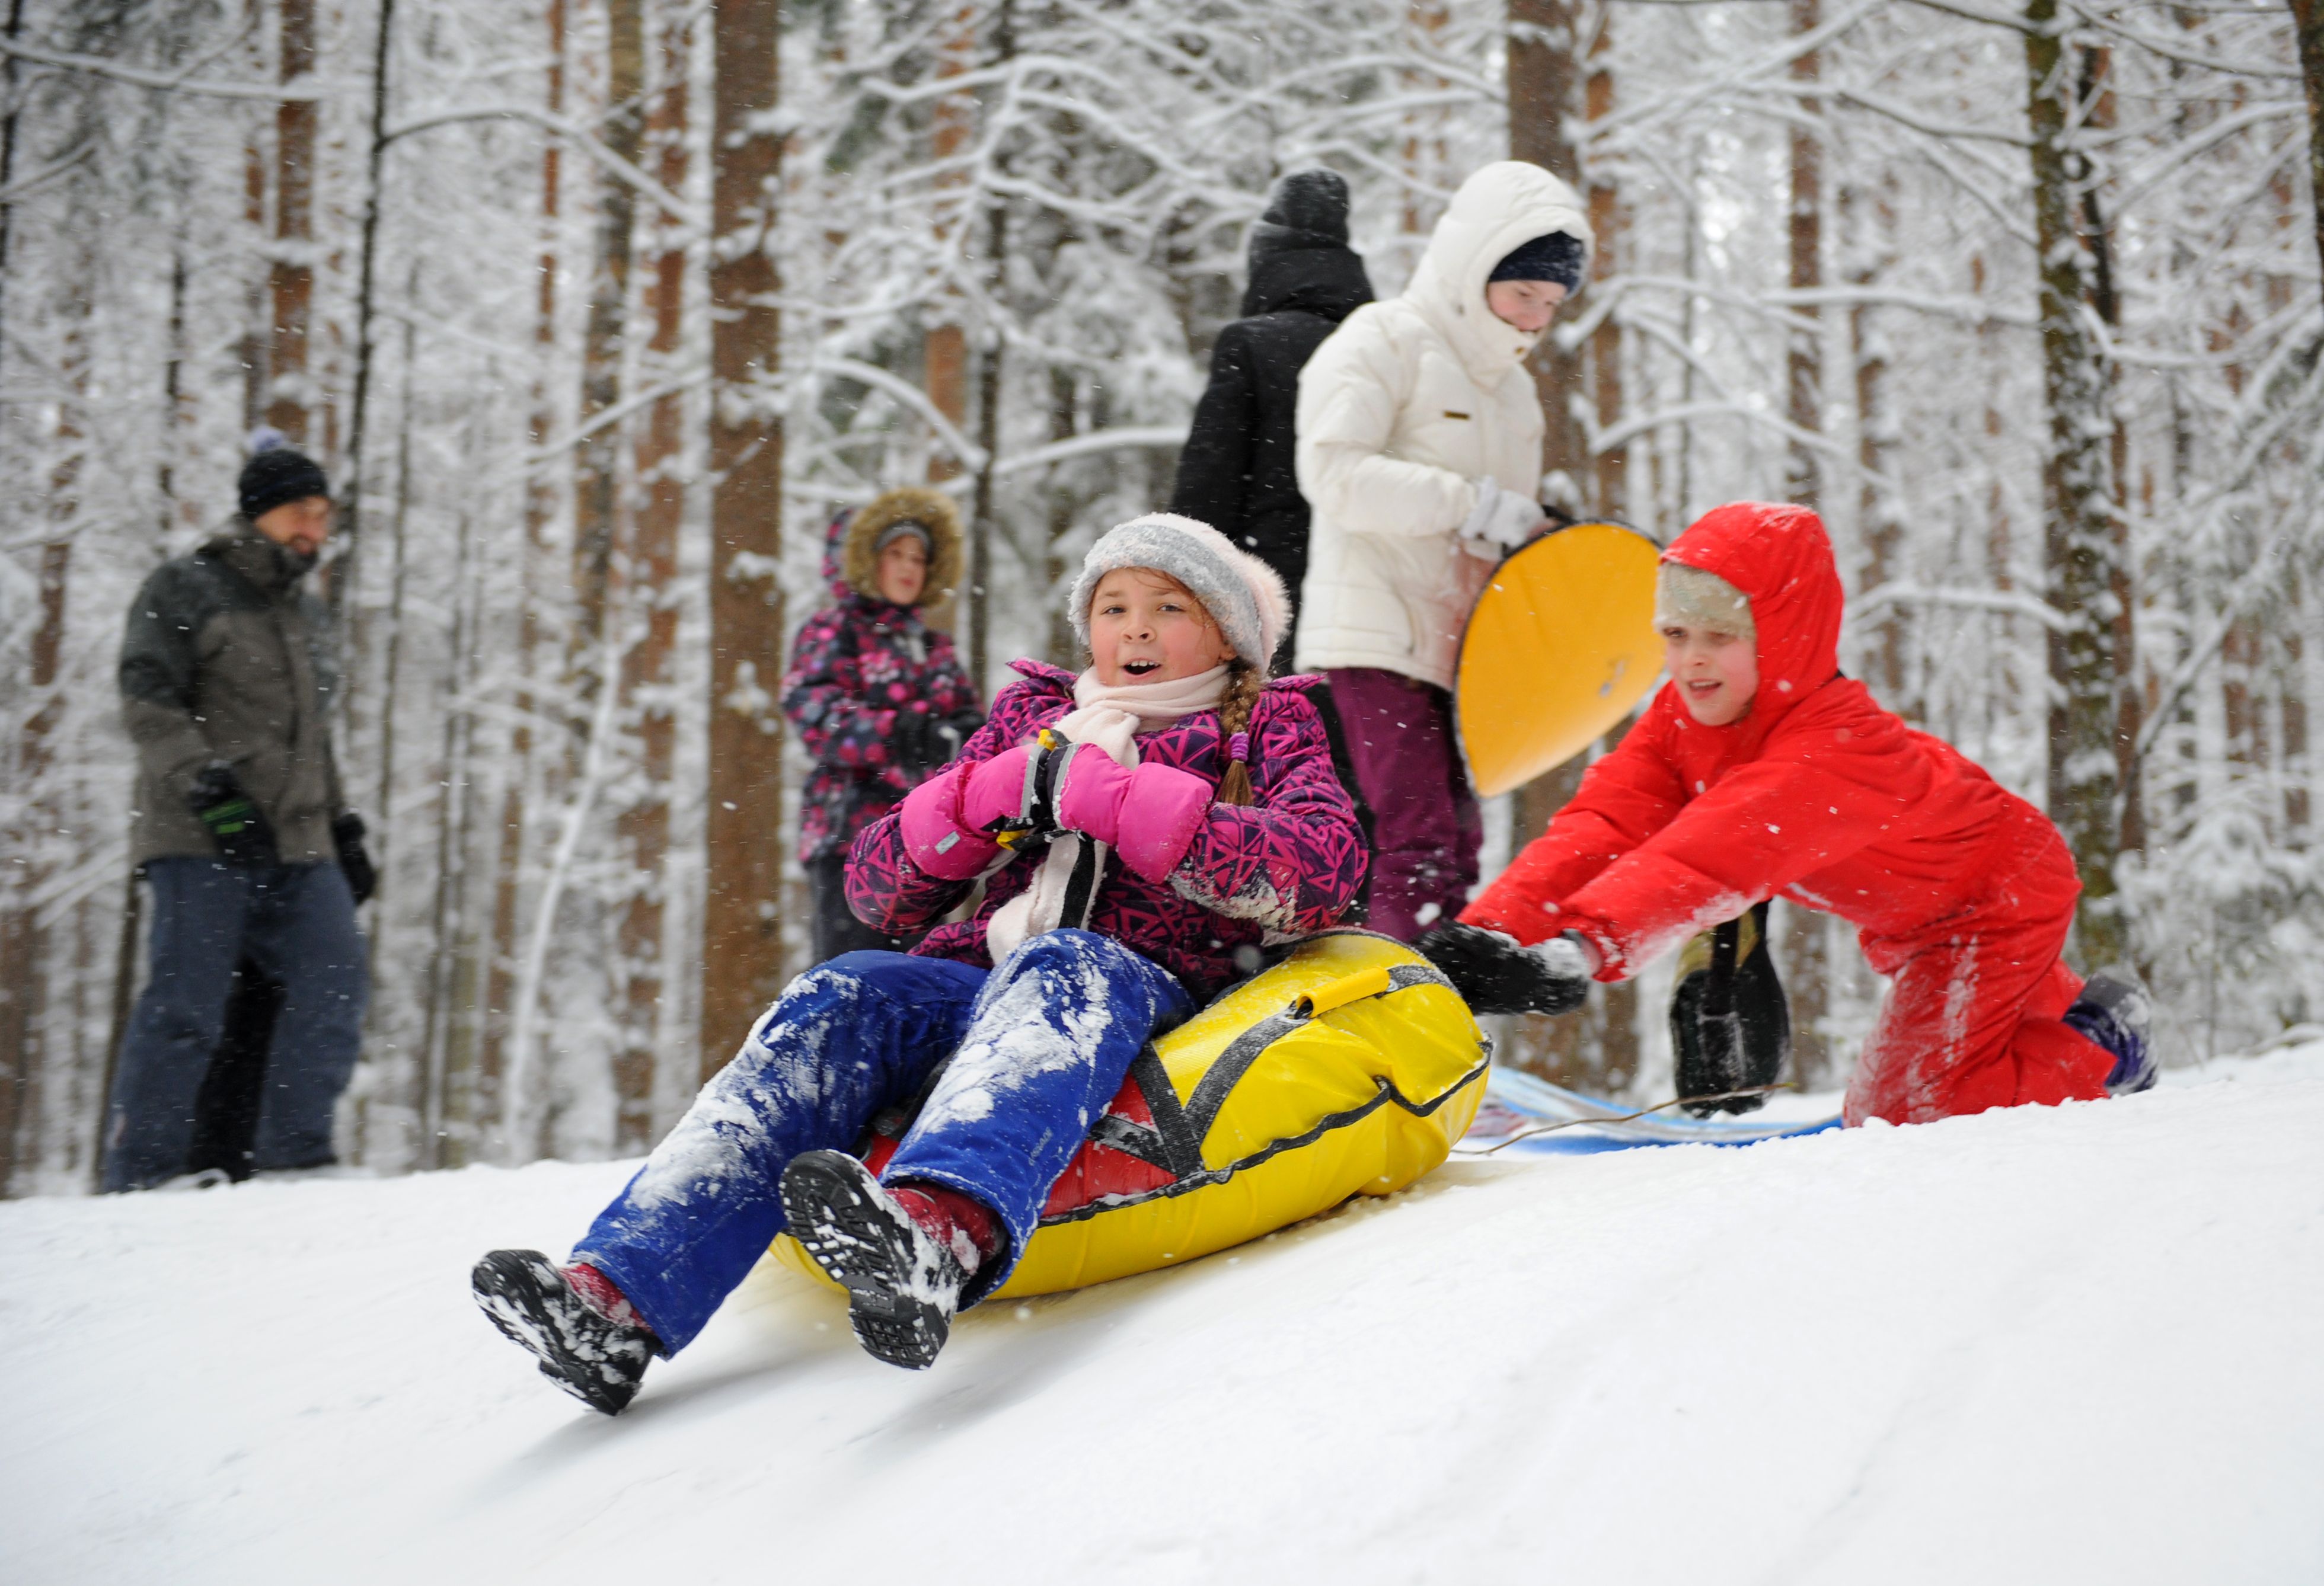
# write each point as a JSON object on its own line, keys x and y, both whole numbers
{"x": 1109, "y": 719}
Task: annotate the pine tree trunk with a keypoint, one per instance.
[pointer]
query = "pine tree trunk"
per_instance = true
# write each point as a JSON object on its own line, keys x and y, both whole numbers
{"x": 1800, "y": 950}
{"x": 1612, "y": 1018}
{"x": 513, "y": 847}
{"x": 2308, "y": 25}
{"x": 742, "y": 943}
{"x": 1543, "y": 89}
{"x": 943, "y": 348}
{"x": 2080, "y": 537}
{"x": 291, "y": 278}
{"x": 651, "y": 576}
{"x": 597, "y": 484}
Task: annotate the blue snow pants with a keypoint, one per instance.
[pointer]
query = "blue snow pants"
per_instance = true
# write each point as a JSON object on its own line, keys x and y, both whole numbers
{"x": 1038, "y": 1047}
{"x": 297, "y": 922}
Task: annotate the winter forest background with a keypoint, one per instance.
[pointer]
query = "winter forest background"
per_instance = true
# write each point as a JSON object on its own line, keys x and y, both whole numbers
{"x": 596, "y": 309}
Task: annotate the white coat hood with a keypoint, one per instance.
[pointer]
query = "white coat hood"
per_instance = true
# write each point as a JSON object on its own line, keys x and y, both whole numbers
{"x": 1501, "y": 205}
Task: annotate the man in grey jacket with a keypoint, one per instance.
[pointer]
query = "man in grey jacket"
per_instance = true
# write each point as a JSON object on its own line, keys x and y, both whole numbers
{"x": 241, "y": 830}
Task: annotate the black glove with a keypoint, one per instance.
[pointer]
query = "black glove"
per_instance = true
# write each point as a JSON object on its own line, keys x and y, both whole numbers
{"x": 354, "y": 863}
{"x": 231, "y": 816}
{"x": 1494, "y": 975}
{"x": 923, "y": 744}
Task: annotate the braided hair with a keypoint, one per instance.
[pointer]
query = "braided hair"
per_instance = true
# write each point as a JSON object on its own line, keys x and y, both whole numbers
{"x": 1245, "y": 682}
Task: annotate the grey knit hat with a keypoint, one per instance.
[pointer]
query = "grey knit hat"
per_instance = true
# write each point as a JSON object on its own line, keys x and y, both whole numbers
{"x": 1688, "y": 597}
{"x": 1243, "y": 593}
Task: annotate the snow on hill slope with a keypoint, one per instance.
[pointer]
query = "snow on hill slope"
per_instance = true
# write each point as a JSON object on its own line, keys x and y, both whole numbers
{"x": 2080, "y": 1343}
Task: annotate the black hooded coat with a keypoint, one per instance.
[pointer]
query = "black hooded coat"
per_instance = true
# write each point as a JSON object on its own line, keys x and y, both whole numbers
{"x": 1236, "y": 472}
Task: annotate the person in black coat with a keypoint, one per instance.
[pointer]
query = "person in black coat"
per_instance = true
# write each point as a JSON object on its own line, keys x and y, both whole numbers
{"x": 1236, "y": 472}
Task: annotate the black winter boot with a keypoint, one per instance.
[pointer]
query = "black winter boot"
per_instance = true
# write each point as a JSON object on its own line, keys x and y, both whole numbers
{"x": 902, "y": 1286}
{"x": 593, "y": 1357}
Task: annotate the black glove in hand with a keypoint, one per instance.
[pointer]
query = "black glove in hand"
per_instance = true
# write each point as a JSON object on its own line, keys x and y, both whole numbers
{"x": 231, "y": 816}
{"x": 354, "y": 863}
{"x": 1494, "y": 975}
{"x": 923, "y": 744}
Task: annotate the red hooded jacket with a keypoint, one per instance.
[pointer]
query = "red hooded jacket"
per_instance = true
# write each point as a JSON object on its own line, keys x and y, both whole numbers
{"x": 1817, "y": 793}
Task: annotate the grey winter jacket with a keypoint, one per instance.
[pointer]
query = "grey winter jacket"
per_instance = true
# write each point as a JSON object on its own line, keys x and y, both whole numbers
{"x": 226, "y": 658}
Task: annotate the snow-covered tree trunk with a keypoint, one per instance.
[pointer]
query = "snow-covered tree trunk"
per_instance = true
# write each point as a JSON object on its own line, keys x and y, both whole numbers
{"x": 291, "y": 286}
{"x": 2308, "y": 28}
{"x": 649, "y": 611}
{"x": 743, "y": 941}
{"x": 2081, "y": 544}
{"x": 1802, "y": 958}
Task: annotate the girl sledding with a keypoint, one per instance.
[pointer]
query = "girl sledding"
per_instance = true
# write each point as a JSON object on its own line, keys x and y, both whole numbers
{"x": 1759, "y": 769}
{"x": 1142, "y": 831}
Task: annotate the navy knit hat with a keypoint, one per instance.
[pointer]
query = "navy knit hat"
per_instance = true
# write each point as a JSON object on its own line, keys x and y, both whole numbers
{"x": 1554, "y": 257}
{"x": 277, "y": 473}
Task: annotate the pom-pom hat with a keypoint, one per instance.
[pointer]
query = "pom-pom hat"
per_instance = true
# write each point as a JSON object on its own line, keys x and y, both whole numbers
{"x": 276, "y": 474}
{"x": 1243, "y": 593}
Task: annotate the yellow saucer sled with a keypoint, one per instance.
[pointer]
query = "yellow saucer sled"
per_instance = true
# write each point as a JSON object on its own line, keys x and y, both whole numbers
{"x": 1561, "y": 647}
{"x": 1348, "y": 1069}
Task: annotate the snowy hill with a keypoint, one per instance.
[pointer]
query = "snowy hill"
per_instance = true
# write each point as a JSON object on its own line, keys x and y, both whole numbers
{"x": 2083, "y": 1343}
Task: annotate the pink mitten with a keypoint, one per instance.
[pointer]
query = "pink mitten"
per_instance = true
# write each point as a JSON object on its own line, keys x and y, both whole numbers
{"x": 1148, "y": 814}
{"x": 994, "y": 795}
{"x": 935, "y": 838}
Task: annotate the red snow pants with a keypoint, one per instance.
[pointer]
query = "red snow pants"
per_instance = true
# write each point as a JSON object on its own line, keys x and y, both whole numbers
{"x": 1972, "y": 1015}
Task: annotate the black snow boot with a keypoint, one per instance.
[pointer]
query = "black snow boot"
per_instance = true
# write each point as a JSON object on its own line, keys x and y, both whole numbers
{"x": 593, "y": 1357}
{"x": 902, "y": 1286}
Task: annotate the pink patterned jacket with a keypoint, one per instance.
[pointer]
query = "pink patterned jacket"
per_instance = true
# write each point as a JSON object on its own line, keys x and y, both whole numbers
{"x": 1284, "y": 865}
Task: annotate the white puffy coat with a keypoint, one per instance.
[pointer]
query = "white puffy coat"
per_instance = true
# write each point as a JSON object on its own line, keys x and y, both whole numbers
{"x": 1400, "y": 410}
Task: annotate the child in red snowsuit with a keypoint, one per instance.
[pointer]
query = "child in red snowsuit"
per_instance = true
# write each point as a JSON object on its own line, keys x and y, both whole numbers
{"x": 1732, "y": 789}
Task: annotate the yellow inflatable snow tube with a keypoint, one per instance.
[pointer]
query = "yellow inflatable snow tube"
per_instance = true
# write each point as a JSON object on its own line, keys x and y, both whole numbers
{"x": 1348, "y": 1069}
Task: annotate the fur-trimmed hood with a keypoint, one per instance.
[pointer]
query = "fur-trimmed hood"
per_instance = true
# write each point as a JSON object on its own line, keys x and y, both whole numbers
{"x": 859, "y": 563}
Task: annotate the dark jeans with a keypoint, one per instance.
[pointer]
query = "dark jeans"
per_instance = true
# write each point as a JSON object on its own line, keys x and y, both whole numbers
{"x": 1037, "y": 1048}
{"x": 1426, "y": 826}
{"x": 837, "y": 930}
{"x": 297, "y": 924}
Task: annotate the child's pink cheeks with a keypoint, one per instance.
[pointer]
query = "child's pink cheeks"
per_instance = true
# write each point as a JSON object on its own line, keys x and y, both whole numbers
{"x": 1139, "y": 617}
{"x": 1717, "y": 673}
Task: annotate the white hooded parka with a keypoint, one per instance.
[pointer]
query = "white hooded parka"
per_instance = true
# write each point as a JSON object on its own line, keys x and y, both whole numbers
{"x": 1399, "y": 411}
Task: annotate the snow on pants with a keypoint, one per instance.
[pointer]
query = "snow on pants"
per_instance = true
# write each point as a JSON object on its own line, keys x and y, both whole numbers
{"x": 1426, "y": 826}
{"x": 1038, "y": 1047}
{"x": 297, "y": 923}
{"x": 1972, "y": 1020}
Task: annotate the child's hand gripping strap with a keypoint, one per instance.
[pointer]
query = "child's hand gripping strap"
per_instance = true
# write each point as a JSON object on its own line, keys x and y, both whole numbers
{"x": 1036, "y": 810}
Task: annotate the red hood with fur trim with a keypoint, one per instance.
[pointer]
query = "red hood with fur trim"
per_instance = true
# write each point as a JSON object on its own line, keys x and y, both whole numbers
{"x": 1817, "y": 792}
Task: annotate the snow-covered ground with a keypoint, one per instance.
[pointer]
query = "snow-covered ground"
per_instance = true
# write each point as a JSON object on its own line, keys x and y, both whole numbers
{"x": 2049, "y": 1345}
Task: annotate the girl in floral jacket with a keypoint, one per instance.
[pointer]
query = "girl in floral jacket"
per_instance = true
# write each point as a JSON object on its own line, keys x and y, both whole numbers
{"x": 879, "y": 697}
{"x": 1141, "y": 830}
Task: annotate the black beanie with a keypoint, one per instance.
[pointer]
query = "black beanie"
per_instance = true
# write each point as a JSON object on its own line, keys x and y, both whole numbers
{"x": 1311, "y": 201}
{"x": 277, "y": 475}
{"x": 1554, "y": 257}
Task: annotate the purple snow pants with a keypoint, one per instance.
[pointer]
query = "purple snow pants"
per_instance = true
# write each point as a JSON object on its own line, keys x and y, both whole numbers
{"x": 1426, "y": 827}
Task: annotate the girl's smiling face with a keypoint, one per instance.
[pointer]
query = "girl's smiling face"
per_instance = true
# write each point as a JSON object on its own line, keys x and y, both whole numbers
{"x": 1146, "y": 627}
{"x": 1716, "y": 673}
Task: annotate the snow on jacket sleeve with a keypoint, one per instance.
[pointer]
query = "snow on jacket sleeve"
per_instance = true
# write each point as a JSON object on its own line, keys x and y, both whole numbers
{"x": 823, "y": 693}
{"x": 1351, "y": 395}
{"x": 1292, "y": 861}
{"x": 885, "y": 889}
{"x": 1215, "y": 466}
{"x": 1816, "y": 794}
